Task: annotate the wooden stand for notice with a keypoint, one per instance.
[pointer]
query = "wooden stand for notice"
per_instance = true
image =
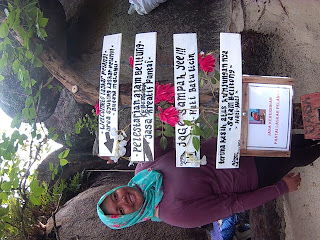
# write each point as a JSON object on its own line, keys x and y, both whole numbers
{"x": 245, "y": 116}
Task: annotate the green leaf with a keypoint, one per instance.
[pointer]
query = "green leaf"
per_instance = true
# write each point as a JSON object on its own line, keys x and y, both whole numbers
{"x": 37, "y": 62}
{"x": 55, "y": 170}
{"x": 77, "y": 127}
{"x": 163, "y": 142}
{"x": 33, "y": 82}
{"x": 207, "y": 132}
{"x": 63, "y": 162}
{"x": 15, "y": 135}
{"x": 66, "y": 137}
{"x": 187, "y": 122}
{"x": 217, "y": 75}
{"x": 3, "y": 61}
{"x": 213, "y": 80}
{"x": 16, "y": 66}
{"x": 201, "y": 82}
{"x": 32, "y": 113}
{"x": 17, "y": 3}
{"x": 29, "y": 101}
{"x": 35, "y": 200}
{"x": 213, "y": 118}
{"x": 43, "y": 22}
{"x": 16, "y": 121}
{"x": 64, "y": 154}
{"x": 51, "y": 129}
{"x": 22, "y": 138}
{"x": 16, "y": 23}
{"x": 26, "y": 113}
{"x": 38, "y": 50}
{"x": 169, "y": 131}
{"x": 29, "y": 54}
{"x": 157, "y": 122}
{"x": 1, "y": 78}
{"x": 196, "y": 143}
{"x": 4, "y": 196}
{"x": 198, "y": 120}
{"x": 158, "y": 133}
{"x": 55, "y": 137}
{"x": 51, "y": 166}
{"x": 6, "y": 186}
{"x": 197, "y": 131}
{"x": 10, "y": 18}
{"x": 10, "y": 52}
{"x": 41, "y": 33}
{"x": 68, "y": 143}
{"x": 4, "y": 30}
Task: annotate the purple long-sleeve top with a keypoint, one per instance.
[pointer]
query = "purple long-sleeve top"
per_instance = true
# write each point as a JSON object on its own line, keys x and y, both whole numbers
{"x": 197, "y": 196}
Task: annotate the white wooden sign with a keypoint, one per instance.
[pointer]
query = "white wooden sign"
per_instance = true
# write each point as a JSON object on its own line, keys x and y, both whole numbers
{"x": 109, "y": 93}
{"x": 269, "y": 117}
{"x": 143, "y": 83}
{"x": 186, "y": 95}
{"x": 229, "y": 132}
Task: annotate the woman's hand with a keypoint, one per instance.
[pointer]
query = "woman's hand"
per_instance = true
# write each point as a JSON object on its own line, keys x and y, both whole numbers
{"x": 109, "y": 161}
{"x": 293, "y": 181}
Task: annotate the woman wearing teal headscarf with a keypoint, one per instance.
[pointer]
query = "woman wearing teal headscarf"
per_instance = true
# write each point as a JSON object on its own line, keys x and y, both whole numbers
{"x": 137, "y": 202}
{"x": 192, "y": 197}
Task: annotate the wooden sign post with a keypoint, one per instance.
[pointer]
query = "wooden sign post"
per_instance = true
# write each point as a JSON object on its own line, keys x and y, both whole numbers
{"x": 266, "y": 116}
{"x": 142, "y": 109}
{"x": 109, "y": 93}
{"x": 186, "y": 96}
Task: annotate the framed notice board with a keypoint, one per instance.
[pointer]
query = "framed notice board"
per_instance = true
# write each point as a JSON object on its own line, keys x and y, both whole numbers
{"x": 266, "y": 116}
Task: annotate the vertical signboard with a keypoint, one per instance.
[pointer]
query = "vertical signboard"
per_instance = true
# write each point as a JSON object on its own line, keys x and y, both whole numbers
{"x": 143, "y": 82}
{"x": 310, "y": 106}
{"x": 109, "y": 92}
{"x": 186, "y": 96}
{"x": 229, "y": 131}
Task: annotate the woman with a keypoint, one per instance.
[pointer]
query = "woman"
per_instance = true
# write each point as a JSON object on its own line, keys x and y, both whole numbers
{"x": 192, "y": 197}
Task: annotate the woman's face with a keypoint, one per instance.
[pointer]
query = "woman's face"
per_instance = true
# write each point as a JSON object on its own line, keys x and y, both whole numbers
{"x": 124, "y": 200}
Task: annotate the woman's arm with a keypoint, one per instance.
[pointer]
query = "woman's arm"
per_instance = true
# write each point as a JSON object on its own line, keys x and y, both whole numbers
{"x": 206, "y": 210}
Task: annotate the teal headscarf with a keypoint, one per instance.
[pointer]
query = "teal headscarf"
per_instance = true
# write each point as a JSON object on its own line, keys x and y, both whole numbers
{"x": 150, "y": 183}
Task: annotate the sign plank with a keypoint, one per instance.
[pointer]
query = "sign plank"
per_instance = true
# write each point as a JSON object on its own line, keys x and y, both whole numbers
{"x": 143, "y": 83}
{"x": 109, "y": 93}
{"x": 229, "y": 131}
{"x": 310, "y": 106}
{"x": 186, "y": 96}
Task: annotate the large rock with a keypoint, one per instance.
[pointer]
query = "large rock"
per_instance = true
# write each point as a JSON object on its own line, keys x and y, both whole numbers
{"x": 64, "y": 119}
{"x": 12, "y": 96}
{"x": 89, "y": 21}
{"x": 78, "y": 218}
{"x": 79, "y": 160}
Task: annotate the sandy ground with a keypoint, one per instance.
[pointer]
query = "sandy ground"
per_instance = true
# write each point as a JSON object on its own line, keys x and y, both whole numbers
{"x": 296, "y": 26}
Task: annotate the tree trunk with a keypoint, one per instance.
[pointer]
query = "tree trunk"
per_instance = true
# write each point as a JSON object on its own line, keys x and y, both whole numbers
{"x": 83, "y": 91}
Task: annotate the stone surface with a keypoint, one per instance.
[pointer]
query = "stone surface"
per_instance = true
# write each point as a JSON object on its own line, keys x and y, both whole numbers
{"x": 12, "y": 96}
{"x": 64, "y": 119}
{"x": 86, "y": 30}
